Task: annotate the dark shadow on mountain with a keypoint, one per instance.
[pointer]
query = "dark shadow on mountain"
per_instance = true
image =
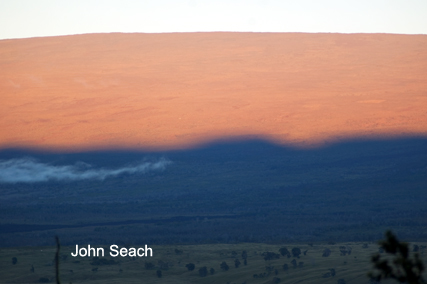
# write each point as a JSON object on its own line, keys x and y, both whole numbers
{"x": 226, "y": 191}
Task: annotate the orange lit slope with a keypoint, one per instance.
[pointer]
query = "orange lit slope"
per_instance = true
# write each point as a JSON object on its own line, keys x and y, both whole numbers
{"x": 158, "y": 91}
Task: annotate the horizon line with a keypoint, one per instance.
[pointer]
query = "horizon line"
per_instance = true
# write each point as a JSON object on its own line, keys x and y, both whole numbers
{"x": 296, "y": 145}
{"x": 199, "y": 32}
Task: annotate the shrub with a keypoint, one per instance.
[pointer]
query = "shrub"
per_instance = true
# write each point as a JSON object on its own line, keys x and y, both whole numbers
{"x": 268, "y": 255}
{"x": 224, "y": 266}
{"x": 343, "y": 250}
{"x": 190, "y": 266}
{"x": 296, "y": 252}
{"x": 294, "y": 263}
{"x": 236, "y": 263}
{"x": 326, "y": 252}
{"x": 203, "y": 271}
{"x": 244, "y": 254}
{"x": 149, "y": 265}
{"x": 284, "y": 251}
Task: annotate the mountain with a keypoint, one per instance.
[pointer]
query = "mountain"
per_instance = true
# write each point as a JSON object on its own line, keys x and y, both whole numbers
{"x": 212, "y": 138}
{"x": 175, "y": 91}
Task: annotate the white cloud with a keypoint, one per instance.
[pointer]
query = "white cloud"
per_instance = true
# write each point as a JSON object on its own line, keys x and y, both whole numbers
{"x": 30, "y": 170}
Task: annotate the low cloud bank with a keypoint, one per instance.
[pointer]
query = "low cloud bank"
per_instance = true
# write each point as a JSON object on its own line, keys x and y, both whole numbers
{"x": 30, "y": 170}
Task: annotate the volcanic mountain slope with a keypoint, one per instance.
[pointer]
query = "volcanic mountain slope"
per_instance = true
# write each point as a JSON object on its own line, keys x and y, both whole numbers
{"x": 169, "y": 91}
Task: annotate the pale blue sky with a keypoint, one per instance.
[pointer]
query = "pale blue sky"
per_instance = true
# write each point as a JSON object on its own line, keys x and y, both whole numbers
{"x": 34, "y": 18}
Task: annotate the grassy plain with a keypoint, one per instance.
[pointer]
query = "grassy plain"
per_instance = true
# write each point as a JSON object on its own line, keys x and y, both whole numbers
{"x": 352, "y": 268}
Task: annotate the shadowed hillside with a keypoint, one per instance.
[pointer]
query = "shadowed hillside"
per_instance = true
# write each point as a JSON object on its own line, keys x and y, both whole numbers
{"x": 229, "y": 191}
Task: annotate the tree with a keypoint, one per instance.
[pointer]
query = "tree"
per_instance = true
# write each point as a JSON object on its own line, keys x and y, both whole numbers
{"x": 203, "y": 271}
{"x": 268, "y": 255}
{"x": 294, "y": 263}
{"x": 224, "y": 266}
{"x": 326, "y": 252}
{"x": 343, "y": 250}
{"x": 244, "y": 254}
{"x": 190, "y": 266}
{"x": 14, "y": 260}
{"x": 296, "y": 252}
{"x": 284, "y": 251}
{"x": 285, "y": 267}
{"x": 159, "y": 273}
{"x": 212, "y": 271}
{"x": 403, "y": 268}
{"x": 236, "y": 263}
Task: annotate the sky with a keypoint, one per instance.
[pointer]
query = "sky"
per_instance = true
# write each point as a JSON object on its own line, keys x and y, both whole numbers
{"x": 31, "y": 18}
